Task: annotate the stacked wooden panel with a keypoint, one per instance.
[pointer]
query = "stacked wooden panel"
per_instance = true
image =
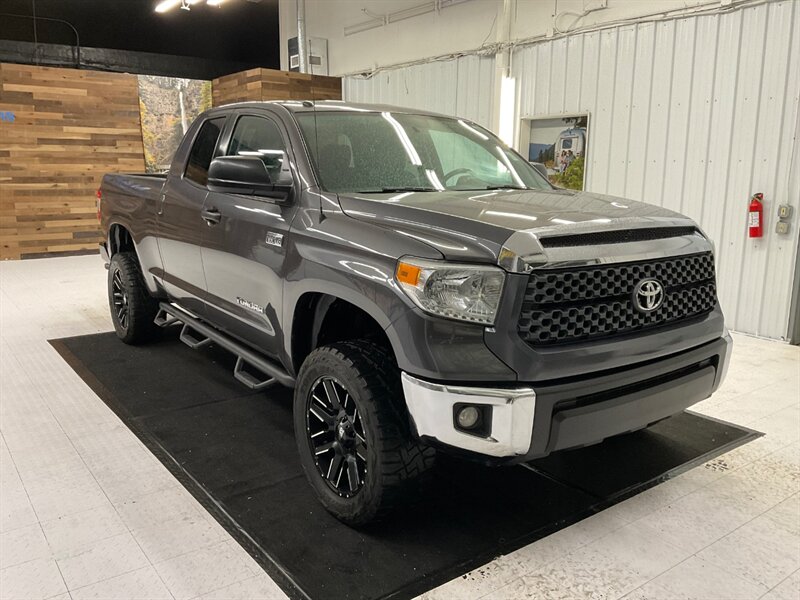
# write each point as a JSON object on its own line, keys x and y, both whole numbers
{"x": 268, "y": 84}
{"x": 237, "y": 87}
{"x": 69, "y": 128}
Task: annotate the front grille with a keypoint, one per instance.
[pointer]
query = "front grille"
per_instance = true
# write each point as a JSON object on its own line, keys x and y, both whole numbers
{"x": 577, "y": 304}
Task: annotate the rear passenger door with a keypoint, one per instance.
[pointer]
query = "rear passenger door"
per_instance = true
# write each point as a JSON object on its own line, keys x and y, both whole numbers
{"x": 181, "y": 227}
{"x": 243, "y": 254}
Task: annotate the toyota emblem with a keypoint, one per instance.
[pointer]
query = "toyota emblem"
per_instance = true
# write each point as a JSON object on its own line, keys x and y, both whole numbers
{"x": 648, "y": 295}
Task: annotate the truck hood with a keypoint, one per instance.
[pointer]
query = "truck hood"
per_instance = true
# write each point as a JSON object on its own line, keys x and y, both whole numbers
{"x": 487, "y": 219}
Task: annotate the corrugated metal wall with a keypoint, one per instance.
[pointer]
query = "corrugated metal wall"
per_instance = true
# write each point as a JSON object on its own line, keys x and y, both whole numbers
{"x": 694, "y": 114}
{"x": 462, "y": 86}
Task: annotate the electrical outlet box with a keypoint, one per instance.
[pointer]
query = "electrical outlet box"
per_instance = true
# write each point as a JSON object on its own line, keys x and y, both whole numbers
{"x": 782, "y": 227}
{"x": 784, "y": 211}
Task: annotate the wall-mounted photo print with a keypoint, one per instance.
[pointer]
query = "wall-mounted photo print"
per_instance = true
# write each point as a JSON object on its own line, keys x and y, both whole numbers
{"x": 167, "y": 106}
{"x": 560, "y": 145}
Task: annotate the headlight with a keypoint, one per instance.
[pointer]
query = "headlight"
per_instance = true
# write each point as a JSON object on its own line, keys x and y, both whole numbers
{"x": 464, "y": 292}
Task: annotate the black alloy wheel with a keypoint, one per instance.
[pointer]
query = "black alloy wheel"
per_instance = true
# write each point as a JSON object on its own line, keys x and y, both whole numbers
{"x": 337, "y": 436}
{"x": 132, "y": 307}
{"x": 119, "y": 298}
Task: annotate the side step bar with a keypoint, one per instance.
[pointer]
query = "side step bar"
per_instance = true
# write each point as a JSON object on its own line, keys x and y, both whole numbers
{"x": 197, "y": 334}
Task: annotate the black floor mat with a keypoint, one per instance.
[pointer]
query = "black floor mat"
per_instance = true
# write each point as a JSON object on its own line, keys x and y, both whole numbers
{"x": 234, "y": 450}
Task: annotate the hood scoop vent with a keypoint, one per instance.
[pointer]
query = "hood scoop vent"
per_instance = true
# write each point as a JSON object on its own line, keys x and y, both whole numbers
{"x": 620, "y": 236}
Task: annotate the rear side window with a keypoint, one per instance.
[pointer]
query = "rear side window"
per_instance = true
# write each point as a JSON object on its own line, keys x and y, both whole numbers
{"x": 203, "y": 150}
{"x": 259, "y": 136}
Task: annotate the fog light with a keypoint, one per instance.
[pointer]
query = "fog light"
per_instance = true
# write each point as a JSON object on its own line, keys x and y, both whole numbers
{"x": 468, "y": 417}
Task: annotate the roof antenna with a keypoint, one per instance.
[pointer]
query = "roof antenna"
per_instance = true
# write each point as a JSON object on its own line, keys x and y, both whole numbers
{"x": 319, "y": 158}
{"x": 313, "y": 106}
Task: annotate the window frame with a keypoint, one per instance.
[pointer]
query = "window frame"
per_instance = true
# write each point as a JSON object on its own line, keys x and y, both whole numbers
{"x": 215, "y": 154}
{"x": 228, "y": 142}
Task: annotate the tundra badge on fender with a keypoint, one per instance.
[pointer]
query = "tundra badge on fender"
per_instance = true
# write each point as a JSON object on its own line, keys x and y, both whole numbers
{"x": 251, "y": 305}
{"x": 274, "y": 239}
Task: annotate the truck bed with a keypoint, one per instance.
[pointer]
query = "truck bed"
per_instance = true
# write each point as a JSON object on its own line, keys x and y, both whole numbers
{"x": 143, "y": 186}
{"x": 131, "y": 200}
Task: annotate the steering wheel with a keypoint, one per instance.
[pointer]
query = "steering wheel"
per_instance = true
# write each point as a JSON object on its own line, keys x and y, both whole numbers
{"x": 454, "y": 172}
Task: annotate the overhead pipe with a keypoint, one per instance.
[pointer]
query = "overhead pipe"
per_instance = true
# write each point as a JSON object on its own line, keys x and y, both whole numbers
{"x": 36, "y": 37}
{"x": 376, "y": 20}
{"x": 302, "y": 42}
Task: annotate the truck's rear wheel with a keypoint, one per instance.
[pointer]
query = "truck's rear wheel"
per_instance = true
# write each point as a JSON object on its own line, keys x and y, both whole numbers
{"x": 132, "y": 308}
{"x": 352, "y": 432}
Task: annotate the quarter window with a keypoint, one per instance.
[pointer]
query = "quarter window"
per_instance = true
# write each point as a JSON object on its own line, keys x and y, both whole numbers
{"x": 203, "y": 150}
{"x": 258, "y": 136}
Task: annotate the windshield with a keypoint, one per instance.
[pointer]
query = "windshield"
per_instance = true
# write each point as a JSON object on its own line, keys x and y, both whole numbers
{"x": 373, "y": 152}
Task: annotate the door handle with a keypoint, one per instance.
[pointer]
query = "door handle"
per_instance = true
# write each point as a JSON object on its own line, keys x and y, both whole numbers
{"x": 211, "y": 216}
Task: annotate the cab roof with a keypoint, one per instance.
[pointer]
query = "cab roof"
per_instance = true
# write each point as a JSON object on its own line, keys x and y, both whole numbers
{"x": 301, "y": 106}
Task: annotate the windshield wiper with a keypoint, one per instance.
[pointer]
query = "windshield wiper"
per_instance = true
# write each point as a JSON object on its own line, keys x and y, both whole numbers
{"x": 398, "y": 189}
{"x": 505, "y": 187}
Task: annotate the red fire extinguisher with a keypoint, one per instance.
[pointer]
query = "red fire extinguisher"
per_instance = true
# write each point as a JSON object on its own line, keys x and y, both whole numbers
{"x": 755, "y": 216}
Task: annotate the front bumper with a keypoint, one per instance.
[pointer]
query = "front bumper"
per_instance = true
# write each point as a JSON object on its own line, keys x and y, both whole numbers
{"x": 531, "y": 422}
{"x": 431, "y": 406}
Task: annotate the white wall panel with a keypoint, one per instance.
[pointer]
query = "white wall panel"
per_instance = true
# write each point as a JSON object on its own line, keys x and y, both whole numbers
{"x": 777, "y": 145}
{"x": 463, "y": 86}
{"x": 695, "y": 115}
{"x": 635, "y": 152}
{"x": 574, "y": 66}
{"x": 620, "y": 108}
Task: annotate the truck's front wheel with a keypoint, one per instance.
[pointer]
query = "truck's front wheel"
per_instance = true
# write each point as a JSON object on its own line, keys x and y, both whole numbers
{"x": 132, "y": 308}
{"x": 352, "y": 432}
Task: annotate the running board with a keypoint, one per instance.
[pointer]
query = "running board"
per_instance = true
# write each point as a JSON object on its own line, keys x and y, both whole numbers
{"x": 253, "y": 370}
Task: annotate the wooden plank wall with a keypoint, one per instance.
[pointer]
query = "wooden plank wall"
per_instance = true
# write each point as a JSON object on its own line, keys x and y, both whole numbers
{"x": 269, "y": 84}
{"x": 71, "y": 127}
{"x": 236, "y": 87}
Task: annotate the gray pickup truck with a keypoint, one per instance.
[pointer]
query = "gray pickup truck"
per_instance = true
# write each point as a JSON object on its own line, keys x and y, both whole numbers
{"x": 418, "y": 283}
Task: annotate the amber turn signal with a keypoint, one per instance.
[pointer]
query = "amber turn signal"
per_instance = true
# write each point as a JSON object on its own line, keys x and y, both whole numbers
{"x": 407, "y": 273}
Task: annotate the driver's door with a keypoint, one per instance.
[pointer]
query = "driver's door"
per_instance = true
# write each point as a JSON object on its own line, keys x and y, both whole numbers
{"x": 244, "y": 251}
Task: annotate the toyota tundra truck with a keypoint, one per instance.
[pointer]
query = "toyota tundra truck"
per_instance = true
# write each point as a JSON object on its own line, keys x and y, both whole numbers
{"x": 420, "y": 285}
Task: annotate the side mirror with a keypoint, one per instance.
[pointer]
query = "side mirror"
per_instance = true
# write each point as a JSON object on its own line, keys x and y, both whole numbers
{"x": 245, "y": 175}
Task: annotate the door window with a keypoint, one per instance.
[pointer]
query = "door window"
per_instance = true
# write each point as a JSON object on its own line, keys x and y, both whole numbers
{"x": 258, "y": 136}
{"x": 203, "y": 151}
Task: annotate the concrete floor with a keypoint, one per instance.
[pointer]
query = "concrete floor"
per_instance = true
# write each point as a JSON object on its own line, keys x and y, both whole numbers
{"x": 87, "y": 512}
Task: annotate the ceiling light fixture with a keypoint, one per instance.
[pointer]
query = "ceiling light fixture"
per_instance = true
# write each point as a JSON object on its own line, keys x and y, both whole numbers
{"x": 166, "y": 5}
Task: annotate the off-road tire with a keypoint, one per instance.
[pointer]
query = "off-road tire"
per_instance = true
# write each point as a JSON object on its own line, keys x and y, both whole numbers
{"x": 395, "y": 459}
{"x": 141, "y": 308}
